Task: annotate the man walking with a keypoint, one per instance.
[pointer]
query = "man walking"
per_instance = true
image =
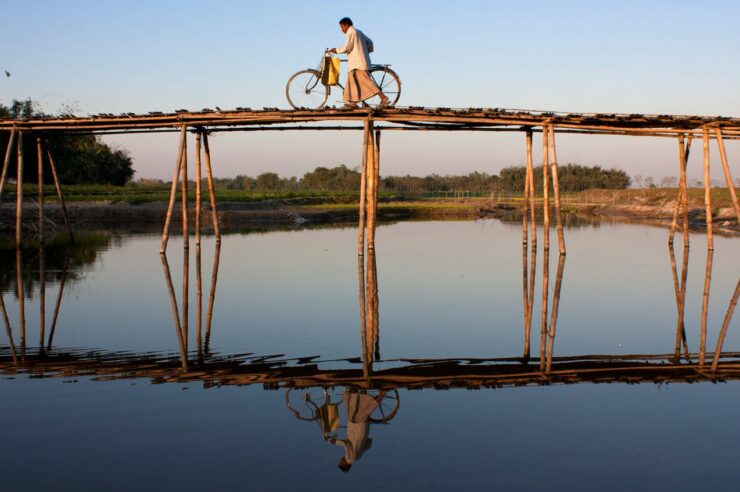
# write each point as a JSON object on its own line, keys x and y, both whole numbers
{"x": 360, "y": 85}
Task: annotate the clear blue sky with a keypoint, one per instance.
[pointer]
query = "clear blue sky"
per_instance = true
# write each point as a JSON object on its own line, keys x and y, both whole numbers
{"x": 627, "y": 56}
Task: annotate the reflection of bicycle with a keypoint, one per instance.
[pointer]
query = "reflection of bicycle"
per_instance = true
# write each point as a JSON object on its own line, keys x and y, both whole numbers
{"x": 306, "y": 90}
{"x": 316, "y": 405}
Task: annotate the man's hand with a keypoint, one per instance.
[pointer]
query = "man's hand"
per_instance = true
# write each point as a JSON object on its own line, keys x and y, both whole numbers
{"x": 333, "y": 50}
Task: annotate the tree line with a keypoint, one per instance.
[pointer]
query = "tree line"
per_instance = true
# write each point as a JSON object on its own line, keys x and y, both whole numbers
{"x": 572, "y": 178}
{"x": 79, "y": 159}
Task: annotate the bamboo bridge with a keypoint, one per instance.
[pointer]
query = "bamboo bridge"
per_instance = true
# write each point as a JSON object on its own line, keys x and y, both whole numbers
{"x": 373, "y": 121}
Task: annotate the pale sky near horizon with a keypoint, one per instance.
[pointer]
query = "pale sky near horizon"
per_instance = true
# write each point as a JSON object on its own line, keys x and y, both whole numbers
{"x": 628, "y": 56}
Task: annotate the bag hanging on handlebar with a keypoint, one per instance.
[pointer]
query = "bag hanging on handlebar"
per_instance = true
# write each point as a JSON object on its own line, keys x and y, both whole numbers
{"x": 330, "y": 71}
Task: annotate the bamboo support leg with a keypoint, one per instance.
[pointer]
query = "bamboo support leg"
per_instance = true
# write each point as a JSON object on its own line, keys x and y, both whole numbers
{"x": 362, "y": 301}
{"x": 175, "y": 314}
{"x": 185, "y": 295}
{"x": 546, "y": 247}
{"x": 184, "y": 197}
{"x": 40, "y": 162}
{"x": 58, "y": 304}
{"x": 19, "y": 192}
{"x": 198, "y": 300}
{"x": 681, "y": 198}
{"x": 525, "y": 244}
{"x": 679, "y": 288}
{"x": 211, "y": 189}
{"x": 556, "y": 189}
{"x": 705, "y": 309}
{"x": 725, "y": 325}
{"x": 546, "y": 186}
{"x": 373, "y": 288}
{"x": 173, "y": 191}
{"x": 42, "y": 297}
{"x": 554, "y": 311}
{"x": 726, "y": 170}
{"x": 371, "y": 194}
{"x": 363, "y": 189}
{"x": 707, "y": 191}
{"x": 6, "y": 162}
{"x": 198, "y": 179}
{"x": 212, "y": 295}
{"x": 58, "y": 189}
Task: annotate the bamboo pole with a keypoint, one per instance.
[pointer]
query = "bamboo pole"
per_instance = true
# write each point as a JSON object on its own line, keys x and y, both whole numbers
{"x": 525, "y": 244}
{"x": 6, "y": 161}
{"x": 554, "y": 311}
{"x": 545, "y": 250}
{"x": 19, "y": 192}
{"x": 173, "y": 191}
{"x": 175, "y": 313}
{"x": 40, "y": 162}
{"x": 21, "y": 297}
{"x": 184, "y": 196}
{"x": 556, "y": 188}
{"x": 546, "y": 186}
{"x": 58, "y": 189}
{"x": 371, "y": 194}
{"x": 211, "y": 189}
{"x": 212, "y": 294}
{"x": 198, "y": 179}
{"x": 8, "y": 329}
{"x": 42, "y": 297}
{"x": 707, "y": 190}
{"x": 198, "y": 300}
{"x": 725, "y": 325}
{"x": 533, "y": 222}
{"x": 58, "y": 304}
{"x": 681, "y": 197}
{"x": 366, "y": 360}
{"x": 726, "y": 170}
{"x": 705, "y": 308}
{"x": 363, "y": 188}
{"x": 372, "y": 295}
{"x": 185, "y": 294}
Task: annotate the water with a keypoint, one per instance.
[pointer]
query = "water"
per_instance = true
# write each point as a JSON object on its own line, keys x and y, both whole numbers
{"x": 117, "y": 401}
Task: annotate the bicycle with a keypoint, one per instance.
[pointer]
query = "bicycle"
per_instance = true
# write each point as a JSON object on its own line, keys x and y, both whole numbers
{"x": 305, "y": 90}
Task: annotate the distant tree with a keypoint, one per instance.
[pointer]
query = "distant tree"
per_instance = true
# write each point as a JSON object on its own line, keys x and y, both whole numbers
{"x": 79, "y": 159}
{"x": 669, "y": 182}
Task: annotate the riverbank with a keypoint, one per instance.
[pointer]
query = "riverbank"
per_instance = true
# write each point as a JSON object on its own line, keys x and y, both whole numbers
{"x": 649, "y": 206}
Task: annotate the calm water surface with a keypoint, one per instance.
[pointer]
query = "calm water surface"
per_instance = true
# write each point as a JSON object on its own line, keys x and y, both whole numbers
{"x": 119, "y": 399}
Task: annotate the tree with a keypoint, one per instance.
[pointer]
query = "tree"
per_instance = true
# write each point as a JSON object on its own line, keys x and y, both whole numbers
{"x": 79, "y": 159}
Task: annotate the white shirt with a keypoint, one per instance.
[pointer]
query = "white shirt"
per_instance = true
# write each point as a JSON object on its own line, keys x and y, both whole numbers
{"x": 358, "y": 47}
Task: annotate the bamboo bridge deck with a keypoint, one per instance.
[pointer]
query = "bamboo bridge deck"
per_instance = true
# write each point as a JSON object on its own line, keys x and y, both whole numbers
{"x": 396, "y": 118}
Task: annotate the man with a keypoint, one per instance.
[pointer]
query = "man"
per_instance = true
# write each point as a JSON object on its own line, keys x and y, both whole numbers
{"x": 359, "y": 407}
{"x": 360, "y": 85}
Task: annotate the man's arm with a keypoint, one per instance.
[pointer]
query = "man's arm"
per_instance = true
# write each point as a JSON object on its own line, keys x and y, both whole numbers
{"x": 349, "y": 43}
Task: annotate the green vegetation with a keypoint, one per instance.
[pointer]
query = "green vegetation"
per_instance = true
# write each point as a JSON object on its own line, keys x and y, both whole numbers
{"x": 79, "y": 159}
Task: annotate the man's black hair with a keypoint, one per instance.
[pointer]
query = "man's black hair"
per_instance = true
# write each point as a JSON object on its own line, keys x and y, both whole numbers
{"x": 345, "y": 21}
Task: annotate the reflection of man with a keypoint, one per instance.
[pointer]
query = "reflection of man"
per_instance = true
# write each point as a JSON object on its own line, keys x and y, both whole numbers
{"x": 360, "y": 85}
{"x": 359, "y": 407}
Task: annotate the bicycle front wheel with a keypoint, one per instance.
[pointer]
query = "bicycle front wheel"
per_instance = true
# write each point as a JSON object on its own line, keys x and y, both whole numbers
{"x": 388, "y": 82}
{"x": 304, "y": 90}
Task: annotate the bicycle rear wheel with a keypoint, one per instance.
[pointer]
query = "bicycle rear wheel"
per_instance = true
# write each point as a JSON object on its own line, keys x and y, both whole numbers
{"x": 388, "y": 82}
{"x": 387, "y": 407}
{"x": 305, "y": 90}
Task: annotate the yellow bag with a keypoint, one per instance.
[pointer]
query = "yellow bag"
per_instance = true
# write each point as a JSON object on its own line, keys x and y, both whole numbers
{"x": 329, "y": 412}
{"x": 330, "y": 71}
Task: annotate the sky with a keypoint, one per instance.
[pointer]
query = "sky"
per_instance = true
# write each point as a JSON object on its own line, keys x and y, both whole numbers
{"x": 626, "y": 56}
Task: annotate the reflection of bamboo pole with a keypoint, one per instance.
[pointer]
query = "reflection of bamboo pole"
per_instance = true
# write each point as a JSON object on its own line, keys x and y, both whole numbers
{"x": 726, "y": 170}
{"x": 198, "y": 300}
{"x": 21, "y": 296}
{"x": 681, "y": 197}
{"x": 372, "y": 287}
{"x": 8, "y": 329}
{"x": 707, "y": 190}
{"x": 725, "y": 325}
{"x": 19, "y": 192}
{"x": 58, "y": 189}
{"x": 680, "y": 292}
{"x": 173, "y": 191}
{"x": 185, "y": 293}
{"x": 556, "y": 188}
{"x": 211, "y": 190}
{"x": 363, "y": 189}
{"x": 366, "y": 358}
{"x": 371, "y": 194}
{"x": 6, "y": 162}
{"x": 175, "y": 314}
{"x": 42, "y": 296}
{"x": 212, "y": 294}
{"x": 705, "y": 308}
{"x": 184, "y": 197}
{"x": 525, "y": 241}
{"x": 554, "y": 312}
{"x": 54, "y": 318}
{"x": 198, "y": 178}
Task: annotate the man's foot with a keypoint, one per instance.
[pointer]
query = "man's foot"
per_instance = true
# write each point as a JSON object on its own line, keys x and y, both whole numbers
{"x": 350, "y": 105}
